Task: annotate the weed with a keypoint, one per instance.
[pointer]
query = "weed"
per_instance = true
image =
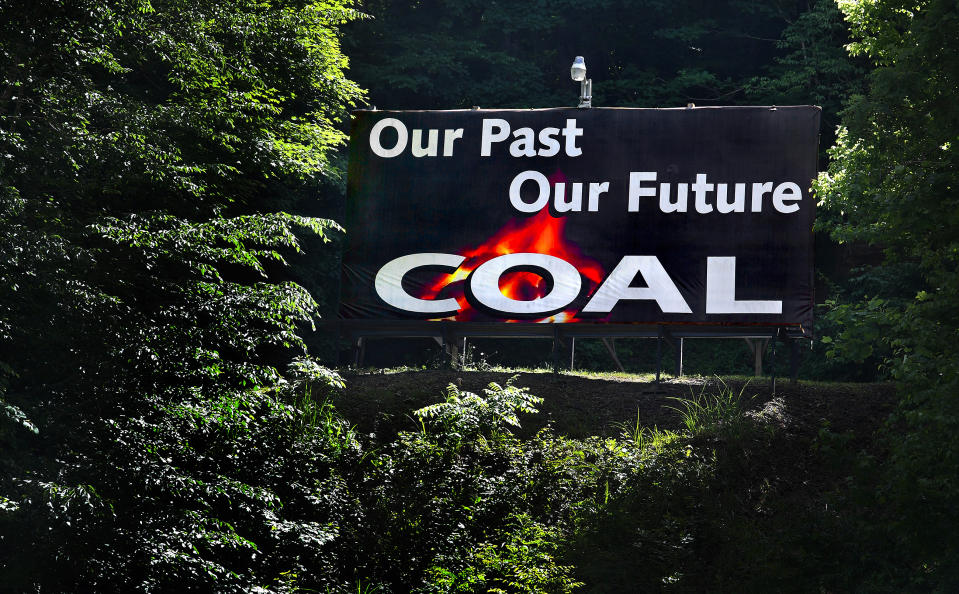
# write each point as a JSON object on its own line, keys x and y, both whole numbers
{"x": 320, "y": 419}
{"x": 712, "y": 412}
{"x": 647, "y": 441}
{"x": 470, "y": 414}
{"x": 472, "y": 359}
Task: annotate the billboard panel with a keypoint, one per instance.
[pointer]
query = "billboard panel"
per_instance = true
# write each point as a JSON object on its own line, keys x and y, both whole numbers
{"x": 699, "y": 215}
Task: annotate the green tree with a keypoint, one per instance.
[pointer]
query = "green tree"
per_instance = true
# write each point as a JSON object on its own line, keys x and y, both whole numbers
{"x": 894, "y": 182}
{"x": 456, "y": 53}
{"x": 814, "y": 68}
{"x": 146, "y": 150}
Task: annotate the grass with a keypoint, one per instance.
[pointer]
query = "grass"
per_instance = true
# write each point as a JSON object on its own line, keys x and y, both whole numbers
{"x": 610, "y": 375}
{"x": 647, "y": 440}
{"x": 709, "y": 412}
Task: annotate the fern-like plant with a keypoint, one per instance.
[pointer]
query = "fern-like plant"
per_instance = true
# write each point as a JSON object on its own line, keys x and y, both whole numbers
{"x": 468, "y": 414}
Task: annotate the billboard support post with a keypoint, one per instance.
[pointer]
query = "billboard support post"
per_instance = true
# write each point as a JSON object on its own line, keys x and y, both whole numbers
{"x": 611, "y": 347}
{"x": 449, "y": 346}
{"x": 794, "y": 360}
{"x": 679, "y": 356}
{"x": 554, "y": 355}
{"x": 772, "y": 363}
{"x": 659, "y": 353}
{"x": 356, "y": 334}
{"x": 359, "y": 350}
{"x": 757, "y": 346}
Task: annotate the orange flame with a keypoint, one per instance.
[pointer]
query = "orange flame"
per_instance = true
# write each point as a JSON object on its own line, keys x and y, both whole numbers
{"x": 542, "y": 234}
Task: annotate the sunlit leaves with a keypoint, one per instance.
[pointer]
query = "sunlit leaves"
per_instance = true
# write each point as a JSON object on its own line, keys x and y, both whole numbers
{"x": 145, "y": 314}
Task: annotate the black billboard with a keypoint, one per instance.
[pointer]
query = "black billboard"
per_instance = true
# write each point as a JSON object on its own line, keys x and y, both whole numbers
{"x": 695, "y": 215}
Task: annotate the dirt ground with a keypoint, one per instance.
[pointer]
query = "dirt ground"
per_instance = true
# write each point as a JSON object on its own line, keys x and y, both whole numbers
{"x": 582, "y": 405}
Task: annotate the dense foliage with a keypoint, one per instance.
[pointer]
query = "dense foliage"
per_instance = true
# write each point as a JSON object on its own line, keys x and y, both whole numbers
{"x": 894, "y": 182}
{"x": 445, "y": 54}
{"x": 147, "y": 147}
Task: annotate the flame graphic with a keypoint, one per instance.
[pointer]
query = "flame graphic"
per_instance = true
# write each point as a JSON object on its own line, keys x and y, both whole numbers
{"x": 543, "y": 234}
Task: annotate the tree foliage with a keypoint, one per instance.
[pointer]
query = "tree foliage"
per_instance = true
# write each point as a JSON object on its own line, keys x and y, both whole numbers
{"x": 894, "y": 181}
{"x": 893, "y": 178}
{"x": 454, "y": 54}
{"x": 147, "y": 147}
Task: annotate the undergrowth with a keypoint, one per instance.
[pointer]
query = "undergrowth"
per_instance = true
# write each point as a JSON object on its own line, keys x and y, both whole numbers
{"x": 461, "y": 504}
{"x": 712, "y": 410}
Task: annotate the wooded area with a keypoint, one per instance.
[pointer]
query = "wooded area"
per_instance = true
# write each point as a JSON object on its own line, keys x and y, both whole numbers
{"x": 172, "y": 177}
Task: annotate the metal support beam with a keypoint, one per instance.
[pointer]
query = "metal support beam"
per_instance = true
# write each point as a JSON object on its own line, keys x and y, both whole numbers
{"x": 772, "y": 363}
{"x": 757, "y": 346}
{"x": 611, "y": 347}
{"x": 678, "y": 344}
{"x": 359, "y": 352}
{"x": 555, "y": 353}
{"x": 795, "y": 356}
{"x": 659, "y": 354}
{"x": 449, "y": 344}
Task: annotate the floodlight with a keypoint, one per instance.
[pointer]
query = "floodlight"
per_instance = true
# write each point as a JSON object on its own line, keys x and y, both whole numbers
{"x": 578, "y": 70}
{"x": 578, "y": 73}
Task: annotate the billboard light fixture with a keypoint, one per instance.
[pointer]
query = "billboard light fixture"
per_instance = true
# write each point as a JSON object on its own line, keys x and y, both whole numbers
{"x": 578, "y": 73}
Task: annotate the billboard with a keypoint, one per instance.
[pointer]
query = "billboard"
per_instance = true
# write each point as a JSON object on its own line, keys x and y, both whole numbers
{"x": 610, "y": 215}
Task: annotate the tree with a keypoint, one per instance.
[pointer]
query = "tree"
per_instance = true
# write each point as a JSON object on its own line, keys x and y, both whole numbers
{"x": 143, "y": 323}
{"x": 894, "y": 180}
{"x": 815, "y": 67}
{"x": 457, "y": 53}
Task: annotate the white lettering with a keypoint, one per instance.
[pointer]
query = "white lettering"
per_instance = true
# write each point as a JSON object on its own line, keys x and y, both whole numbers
{"x": 431, "y": 148}
{"x": 389, "y": 283}
{"x": 700, "y": 188}
{"x": 738, "y": 204}
{"x": 525, "y": 143}
{"x": 549, "y": 142}
{"x": 665, "y": 205}
{"x": 721, "y": 291}
{"x": 758, "y": 191}
{"x": 516, "y": 186}
{"x": 449, "y": 137}
{"x": 484, "y": 283}
{"x": 570, "y": 132}
{"x": 659, "y": 287}
{"x": 575, "y": 203}
{"x": 636, "y": 189}
{"x": 489, "y": 137}
{"x": 786, "y": 191}
{"x": 401, "y": 138}
{"x": 595, "y": 191}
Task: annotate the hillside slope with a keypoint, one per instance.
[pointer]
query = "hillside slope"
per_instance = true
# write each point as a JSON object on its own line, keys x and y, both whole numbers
{"x": 579, "y": 405}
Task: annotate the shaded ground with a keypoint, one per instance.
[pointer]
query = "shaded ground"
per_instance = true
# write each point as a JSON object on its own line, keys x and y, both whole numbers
{"x": 582, "y": 405}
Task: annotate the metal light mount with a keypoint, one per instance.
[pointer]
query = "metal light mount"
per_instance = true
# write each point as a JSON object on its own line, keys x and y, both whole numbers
{"x": 578, "y": 73}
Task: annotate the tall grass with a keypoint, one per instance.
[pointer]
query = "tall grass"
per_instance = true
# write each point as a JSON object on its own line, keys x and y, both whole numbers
{"x": 648, "y": 441}
{"x": 710, "y": 412}
{"x": 318, "y": 417}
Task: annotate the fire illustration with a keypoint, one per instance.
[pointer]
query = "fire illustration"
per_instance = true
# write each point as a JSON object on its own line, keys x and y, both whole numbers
{"x": 543, "y": 234}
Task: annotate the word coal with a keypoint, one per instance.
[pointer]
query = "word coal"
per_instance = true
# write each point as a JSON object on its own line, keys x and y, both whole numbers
{"x": 483, "y": 284}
